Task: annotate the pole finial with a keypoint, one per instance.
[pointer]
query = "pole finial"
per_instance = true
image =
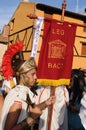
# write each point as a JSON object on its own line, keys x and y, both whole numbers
{"x": 63, "y": 10}
{"x": 64, "y": 4}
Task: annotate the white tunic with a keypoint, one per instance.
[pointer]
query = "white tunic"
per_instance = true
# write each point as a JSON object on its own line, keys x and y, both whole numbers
{"x": 59, "y": 117}
{"x": 19, "y": 93}
{"x": 82, "y": 112}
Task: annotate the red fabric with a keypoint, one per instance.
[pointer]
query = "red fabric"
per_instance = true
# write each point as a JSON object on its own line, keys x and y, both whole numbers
{"x": 7, "y": 57}
{"x": 56, "y": 55}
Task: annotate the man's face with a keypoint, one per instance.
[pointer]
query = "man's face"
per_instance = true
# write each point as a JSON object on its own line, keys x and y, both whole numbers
{"x": 32, "y": 77}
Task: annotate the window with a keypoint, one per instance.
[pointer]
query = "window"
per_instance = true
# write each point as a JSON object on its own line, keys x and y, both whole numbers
{"x": 84, "y": 29}
{"x": 83, "y": 51}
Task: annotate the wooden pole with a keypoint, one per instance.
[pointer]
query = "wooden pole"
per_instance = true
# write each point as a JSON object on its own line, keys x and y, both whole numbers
{"x": 32, "y": 16}
{"x": 63, "y": 10}
{"x": 51, "y": 108}
{"x": 53, "y": 88}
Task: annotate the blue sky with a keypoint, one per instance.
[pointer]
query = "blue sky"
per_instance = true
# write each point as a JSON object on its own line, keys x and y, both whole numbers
{"x": 8, "y": 7}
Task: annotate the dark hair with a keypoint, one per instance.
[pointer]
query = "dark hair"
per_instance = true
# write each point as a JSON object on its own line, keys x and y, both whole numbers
{"x": 77, "y": 77}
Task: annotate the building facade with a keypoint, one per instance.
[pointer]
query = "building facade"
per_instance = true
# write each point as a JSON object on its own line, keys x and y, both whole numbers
{"x": 22, "y": 28}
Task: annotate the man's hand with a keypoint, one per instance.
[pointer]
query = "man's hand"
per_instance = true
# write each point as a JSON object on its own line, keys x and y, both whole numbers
{"x": 35, "y": 111}
{"x": 51, "y": 100}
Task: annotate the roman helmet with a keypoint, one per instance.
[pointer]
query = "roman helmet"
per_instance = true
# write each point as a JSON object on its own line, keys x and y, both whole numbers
{"x": 24, "y": 68}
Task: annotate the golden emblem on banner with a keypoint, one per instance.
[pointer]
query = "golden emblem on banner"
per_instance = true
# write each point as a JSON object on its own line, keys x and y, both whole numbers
{"x": 57, "y": 49}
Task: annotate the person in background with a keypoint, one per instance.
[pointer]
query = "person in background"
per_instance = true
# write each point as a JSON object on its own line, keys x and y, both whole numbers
{"x": 59, "y": 119}
{"x": 5, "y": 87}
{"x": 75, "y": 94}
{"x": 19, "y": 110}
{"x": 82, "y": 112}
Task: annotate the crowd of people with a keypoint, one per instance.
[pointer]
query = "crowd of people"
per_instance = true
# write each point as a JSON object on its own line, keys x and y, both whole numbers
{"x": 27, "y": 105}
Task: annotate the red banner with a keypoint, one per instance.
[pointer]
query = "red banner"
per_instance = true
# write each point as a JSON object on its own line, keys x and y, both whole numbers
{"x": 56, "y": 55}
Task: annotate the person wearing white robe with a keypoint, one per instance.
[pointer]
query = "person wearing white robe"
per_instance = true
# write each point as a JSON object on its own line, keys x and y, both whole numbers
{"x": 15, "y": 109}
{"x": 82, "y": 112}
{"x": 19, "y": 112}
{"x": 59, "y": 116}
